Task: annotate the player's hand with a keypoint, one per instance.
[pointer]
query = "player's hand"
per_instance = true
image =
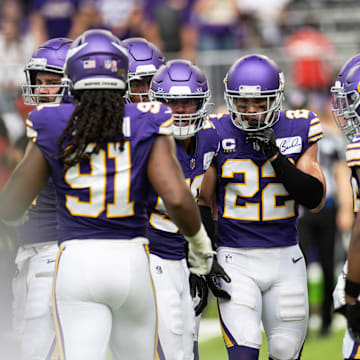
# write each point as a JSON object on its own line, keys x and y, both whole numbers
{"x": 339, "y": 294}
{"x": 266, "y": 140}
{"x": 200, "y": 254}
{"x": 352, "y": 314}
{"x": 199, "y": 289}
{"x": 213, "y": 280}
{"x": 200, "y": 262}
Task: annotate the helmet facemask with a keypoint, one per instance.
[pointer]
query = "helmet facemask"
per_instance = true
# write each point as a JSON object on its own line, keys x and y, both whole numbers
{"x": 138, "y": 87}
{"x": 185, "y": 125}
{"x": 32, "y": 92}
{"x": 236, "y": 101}
{"x": 345, "y": 111}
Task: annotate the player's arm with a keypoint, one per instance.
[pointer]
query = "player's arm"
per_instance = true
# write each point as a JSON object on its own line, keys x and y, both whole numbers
{"x": 166, "y": 176}
{"x": 352, "y": 285}
{"x": 352, "y": 281}
{"x": 206, "y": 205}
{"x": 308, "y": 164}
{"x": 167, "y": 179}
{"x": 304, "y": 182}
{"x": 345, "y": 213}
{"x": 206, "y": 201}
{"x": 28, "y": 178}
{"x": 208, "y": 186}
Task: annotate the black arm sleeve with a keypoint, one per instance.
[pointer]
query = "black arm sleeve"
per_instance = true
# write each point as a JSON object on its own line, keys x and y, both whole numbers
{"x": 207, "y": 220}
{"x": 303, "y": 188}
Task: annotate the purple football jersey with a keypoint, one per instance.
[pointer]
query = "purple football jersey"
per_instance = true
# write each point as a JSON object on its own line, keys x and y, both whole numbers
{"x": 41, "y": 226}
{"x": 104, "y": 196}
{"x": 255, "y": 210}
{"x": 165, "y": 239}
{"x": 353, "y": 161}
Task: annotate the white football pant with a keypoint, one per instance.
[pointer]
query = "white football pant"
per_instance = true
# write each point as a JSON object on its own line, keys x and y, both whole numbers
{"x": 175, "y": 308}
{"x": 268, "y": 285}
{"x": 104, "y": 296}
{"x": 32, "y": 286}
{"x": 350, "y": 349}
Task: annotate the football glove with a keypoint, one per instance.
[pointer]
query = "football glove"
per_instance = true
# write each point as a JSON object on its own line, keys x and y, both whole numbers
{"x": 339, "y": 293}
{"x": 200, "y": 254}
{"x": 353, "y": 320}
{"x": 213, "y": 280}
{"x": 266, "y": 140}
{"x": 199, "y": 289}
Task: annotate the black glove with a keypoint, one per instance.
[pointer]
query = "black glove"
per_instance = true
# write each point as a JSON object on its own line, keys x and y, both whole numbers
{"x": 199, "y": 287}
{"x": 266, "y": 140}
{"x": 216, "y": 273}
{"x": 353, "y": 320}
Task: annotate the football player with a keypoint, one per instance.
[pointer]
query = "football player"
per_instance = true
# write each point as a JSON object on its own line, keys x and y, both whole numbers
{"x": 184, "y": 88}
{"x": 346, "y": 112}
{"x": 266, "y": 167}
{"x": 104, "y": 157}
{"x": 35, "y": 259}
{"x": 144, "y": 59}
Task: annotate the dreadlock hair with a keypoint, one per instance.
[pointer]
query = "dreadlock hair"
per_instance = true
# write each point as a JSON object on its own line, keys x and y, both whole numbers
{"x": 98, "y": 117}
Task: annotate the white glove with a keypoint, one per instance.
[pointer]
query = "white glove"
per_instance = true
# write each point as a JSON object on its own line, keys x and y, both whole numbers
{"x": 339, "y": 291}
{"x": 200, "y": 255}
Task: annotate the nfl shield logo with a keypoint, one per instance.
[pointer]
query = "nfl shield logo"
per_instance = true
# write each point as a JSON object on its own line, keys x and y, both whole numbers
{"x": 228, "y": 258}
{"x": 192, "y": 164}
{"x": 159, "y": 269}
{"x": 110, "y": 65}
{"x": 256, "y": 146}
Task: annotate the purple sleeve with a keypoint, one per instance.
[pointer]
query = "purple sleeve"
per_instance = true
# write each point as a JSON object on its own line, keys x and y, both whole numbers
{"x": 36, "y": 5}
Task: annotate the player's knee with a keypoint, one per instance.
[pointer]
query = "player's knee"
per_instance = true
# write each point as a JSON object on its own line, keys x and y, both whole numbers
{"x": 282, "y": 348}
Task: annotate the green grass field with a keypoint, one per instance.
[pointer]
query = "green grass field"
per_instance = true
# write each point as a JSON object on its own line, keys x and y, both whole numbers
{"x": 315, "y": 348}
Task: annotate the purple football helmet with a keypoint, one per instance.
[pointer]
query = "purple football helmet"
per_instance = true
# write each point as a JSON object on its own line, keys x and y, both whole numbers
{"x": 96, "y": 60}
{"x": 339, "y": 82}
{"x": 144, "y": 59}
{"x": 179, "y": 81}
{"x": 254, "y": 77}
{"x": 48, "y": 57}
{"x": 347, "y": 114}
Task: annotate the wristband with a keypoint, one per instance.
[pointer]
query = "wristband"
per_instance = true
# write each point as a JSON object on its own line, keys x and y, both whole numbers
{"x": 200, "y": 242}
{"x": 208, "y": 223}
{"x": 352, "y": 288}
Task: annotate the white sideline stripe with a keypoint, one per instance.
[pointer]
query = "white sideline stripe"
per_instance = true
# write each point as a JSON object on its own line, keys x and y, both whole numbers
{"x": 210, "y": 328}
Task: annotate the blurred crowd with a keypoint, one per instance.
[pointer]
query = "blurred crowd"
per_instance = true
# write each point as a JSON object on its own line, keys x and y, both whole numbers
{"x": 182, "y": 29}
